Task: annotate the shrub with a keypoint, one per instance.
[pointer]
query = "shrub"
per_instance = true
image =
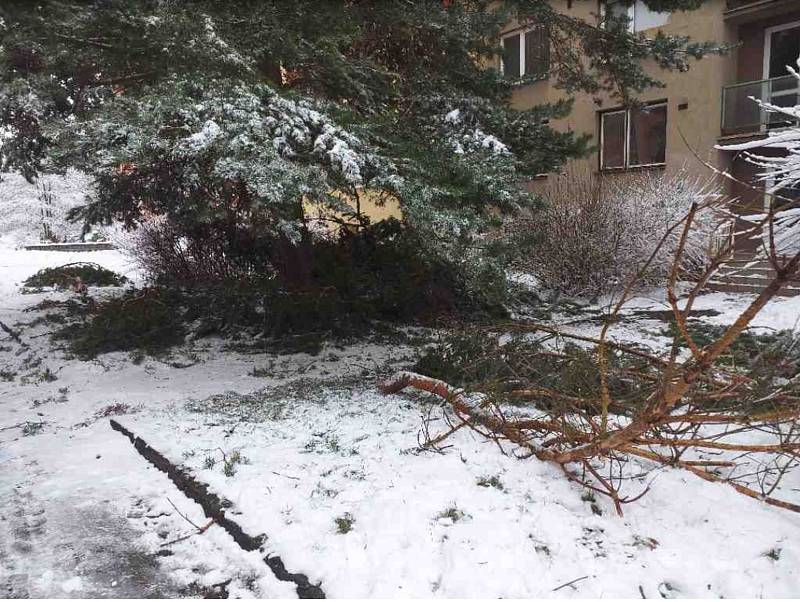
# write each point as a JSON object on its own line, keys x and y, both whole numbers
{"x": 89, "y": 274}
{"x": 336, "y": 285}
{"x": 169, "y": 253}
{"x": 596, "y": 233}
{"x": 149, "y": 319}
{"x": 354, "y": 281}
{"x": 378, "y": 271}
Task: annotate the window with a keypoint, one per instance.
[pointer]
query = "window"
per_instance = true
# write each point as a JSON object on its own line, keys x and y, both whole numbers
{"x": 526, "y": 53}
{"x": 612, "y": 139}
{"x": 512, "y": 57}
{"x": 633, "y": 137}
{"x": 639, "y": 16}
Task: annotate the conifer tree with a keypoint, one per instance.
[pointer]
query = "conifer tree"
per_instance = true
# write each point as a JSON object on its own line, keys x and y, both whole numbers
{"x": 207, "y": 109}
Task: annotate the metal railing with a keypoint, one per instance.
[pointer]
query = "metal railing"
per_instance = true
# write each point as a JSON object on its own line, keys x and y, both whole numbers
{"x": 742, "y": 115}
{"x": 741, "y": 3}
{"x": 750, "y": 11}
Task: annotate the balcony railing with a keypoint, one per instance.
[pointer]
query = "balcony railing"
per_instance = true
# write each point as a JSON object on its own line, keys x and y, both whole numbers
{"x": 742, "y": 115}
{"x": 743, "y": 11}
{"x": 747, "y": 3}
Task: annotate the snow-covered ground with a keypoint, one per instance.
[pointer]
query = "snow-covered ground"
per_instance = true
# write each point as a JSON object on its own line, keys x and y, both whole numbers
{"x": 329, "y": 470}
{"x": 35, "y": 213}
{"x": 645, "y": 316}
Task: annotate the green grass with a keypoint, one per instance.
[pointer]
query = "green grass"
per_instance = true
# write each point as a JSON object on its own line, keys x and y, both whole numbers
{"x": 231, "y": 461}
{"x": 493, "y": 481}
{"x": 452, "y": 513}
{"x": 344, "y": 523}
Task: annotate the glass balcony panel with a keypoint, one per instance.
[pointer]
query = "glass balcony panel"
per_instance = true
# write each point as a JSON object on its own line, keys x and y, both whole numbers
{"x": 783, "y": 84}
{"x": 742, "y": 115}
{"x": 739, "y": 112}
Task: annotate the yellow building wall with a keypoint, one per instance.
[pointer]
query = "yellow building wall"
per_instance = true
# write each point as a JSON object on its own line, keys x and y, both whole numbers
{"x": 700, "y": 89}
{"x": 373, "y": 204}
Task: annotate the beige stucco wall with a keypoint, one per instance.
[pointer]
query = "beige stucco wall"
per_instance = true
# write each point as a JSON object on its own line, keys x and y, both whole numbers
{"x": 375, "y": 205}
{"x": 699, "y": 88}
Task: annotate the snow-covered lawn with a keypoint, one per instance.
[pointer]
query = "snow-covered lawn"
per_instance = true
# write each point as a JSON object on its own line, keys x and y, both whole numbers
{"x": 645, "y": 323}
{"x": 329, "y": 471}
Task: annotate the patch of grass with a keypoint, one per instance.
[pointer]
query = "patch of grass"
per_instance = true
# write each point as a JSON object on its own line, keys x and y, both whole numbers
{"x": 344, "y": 523}
{"x": 356, "y": 475}
{"x": 231, "y": 461}
{"x": 540, "y": 547}
{"x": 250, "y": 407}
{"x": 266, "y": 372}
{"x": 493, "y": 481}
{"x": 646, "y": 543}
{"x": 323, "y": 442}
{"x": 588, "y": 496}
{"x": 47, "y": 376}
{"x": 114, "y": 409}
{"x": 61, "y": 398}
{"x": 7, "y": 375}
{"x": 321, "y": 490}
{"x": 451, "y": 513}
{"x": 31, "y": 362}
{"x": 209, "y": 462}
{"x": 89, "y": 274}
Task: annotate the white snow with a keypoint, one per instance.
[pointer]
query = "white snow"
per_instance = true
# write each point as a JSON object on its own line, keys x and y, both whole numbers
{"x": 25, "y": 216}
{"x": 464, "y": 136}
{"x": 319, "y": 443}
{"x": 204, "y": 138}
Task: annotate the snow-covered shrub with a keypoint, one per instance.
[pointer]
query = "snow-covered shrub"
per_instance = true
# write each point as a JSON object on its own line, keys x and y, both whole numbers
{"x": 85, "y": 274}
{"x": 595, "y": 233}
{"x": 31, "y": 213}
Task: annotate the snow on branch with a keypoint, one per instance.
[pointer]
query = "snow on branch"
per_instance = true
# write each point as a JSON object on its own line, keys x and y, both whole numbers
{"x": 781, "y": 172}
{"x": 463, "y": 135}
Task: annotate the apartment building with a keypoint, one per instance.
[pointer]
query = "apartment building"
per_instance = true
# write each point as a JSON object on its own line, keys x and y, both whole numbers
{"x": 697, "y": 110}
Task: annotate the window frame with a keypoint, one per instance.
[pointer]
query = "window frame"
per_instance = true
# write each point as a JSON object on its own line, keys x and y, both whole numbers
{"x": 626, "y": 146}
{"x": 522, "y": 33}
{"x": 632, "y": 28}
{"x": 631, "y": 13}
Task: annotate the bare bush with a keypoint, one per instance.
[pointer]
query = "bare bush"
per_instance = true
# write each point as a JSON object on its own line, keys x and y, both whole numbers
{"x": 595, "y": 233}
{"x": 163, "y": 250}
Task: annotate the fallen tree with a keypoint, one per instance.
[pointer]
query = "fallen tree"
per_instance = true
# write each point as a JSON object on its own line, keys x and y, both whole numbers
{"x": 689, "y": 408}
